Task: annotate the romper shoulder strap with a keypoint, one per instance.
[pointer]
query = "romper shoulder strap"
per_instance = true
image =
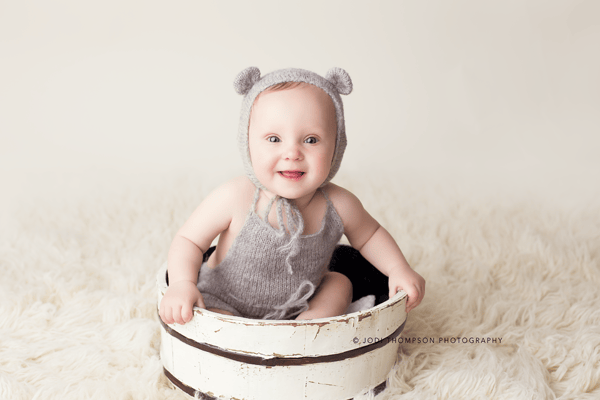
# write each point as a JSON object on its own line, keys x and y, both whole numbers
{"x": 327, "y": 199}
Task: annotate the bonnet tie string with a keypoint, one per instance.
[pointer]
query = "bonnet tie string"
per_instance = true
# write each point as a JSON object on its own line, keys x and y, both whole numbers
{"x": 295, "y": 226}
{"x": 298, "y": 301}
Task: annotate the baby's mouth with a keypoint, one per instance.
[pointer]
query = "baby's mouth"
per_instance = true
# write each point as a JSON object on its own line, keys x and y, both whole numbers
{"x": 293, "y": 175}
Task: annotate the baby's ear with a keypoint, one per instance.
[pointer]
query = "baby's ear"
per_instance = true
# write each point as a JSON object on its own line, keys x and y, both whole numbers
{"x": 246, "y": 79}
{"x": 340, "y": 79}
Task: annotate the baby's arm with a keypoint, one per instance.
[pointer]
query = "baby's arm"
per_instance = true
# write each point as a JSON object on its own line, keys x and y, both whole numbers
{"x": 375, "y": 243}
{"x": 212, "y": 217}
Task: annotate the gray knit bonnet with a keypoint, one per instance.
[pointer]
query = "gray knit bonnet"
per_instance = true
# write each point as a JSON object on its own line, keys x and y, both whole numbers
{"x": 250, "y": 84}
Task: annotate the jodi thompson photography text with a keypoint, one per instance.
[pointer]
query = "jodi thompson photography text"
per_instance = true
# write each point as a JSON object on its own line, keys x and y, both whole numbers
{"x": 431, "y": 340}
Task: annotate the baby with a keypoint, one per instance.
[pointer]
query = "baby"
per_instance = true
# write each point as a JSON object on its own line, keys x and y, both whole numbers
{"x": 279, "y": 225}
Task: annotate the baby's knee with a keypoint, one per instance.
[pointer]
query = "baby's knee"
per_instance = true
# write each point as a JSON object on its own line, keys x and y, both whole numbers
{"x": 342, "y": 284}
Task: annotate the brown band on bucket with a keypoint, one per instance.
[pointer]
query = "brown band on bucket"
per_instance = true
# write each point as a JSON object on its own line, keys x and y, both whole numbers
{"x": 281, "y": 361}
{"x": 379, "y": 388}
{"x": 203, "y": 396}
{"x": 187, "y": 389}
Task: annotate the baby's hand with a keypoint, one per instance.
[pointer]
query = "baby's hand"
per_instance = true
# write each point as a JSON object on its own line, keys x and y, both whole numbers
{"x": 178, "y": 303}
{"x": 409, "y": 281}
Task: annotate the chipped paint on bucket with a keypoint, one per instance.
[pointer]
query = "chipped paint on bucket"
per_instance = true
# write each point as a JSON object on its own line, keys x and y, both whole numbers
{"x": 216, "y": 355}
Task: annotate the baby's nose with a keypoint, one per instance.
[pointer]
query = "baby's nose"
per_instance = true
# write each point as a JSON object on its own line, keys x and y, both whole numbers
{"x": 292, "y": 152}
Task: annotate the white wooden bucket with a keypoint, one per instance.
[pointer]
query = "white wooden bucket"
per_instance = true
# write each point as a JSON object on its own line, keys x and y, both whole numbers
{"x": 216, "y": 355}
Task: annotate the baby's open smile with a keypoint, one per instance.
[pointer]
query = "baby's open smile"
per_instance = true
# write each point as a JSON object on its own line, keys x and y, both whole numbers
{"x": 293, "y": 175}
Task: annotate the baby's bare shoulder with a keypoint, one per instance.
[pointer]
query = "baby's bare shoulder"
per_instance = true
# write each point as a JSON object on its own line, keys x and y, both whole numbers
{"x": 226, "y": 200}
{"x": 343, "y": 200}
{"x": 351, "y": 211}
{"x": 227, "y": 203}
{"x": 238, "y": 189}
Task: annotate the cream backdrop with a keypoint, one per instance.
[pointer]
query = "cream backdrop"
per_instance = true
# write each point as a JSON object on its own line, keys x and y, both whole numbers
{"x": 474, "y": 136}
{"x": 490, "y": 97}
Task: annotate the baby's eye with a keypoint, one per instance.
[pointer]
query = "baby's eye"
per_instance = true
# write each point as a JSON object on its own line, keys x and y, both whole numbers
{"x": 311, "y": 140}
{"x": 273, "y": 139}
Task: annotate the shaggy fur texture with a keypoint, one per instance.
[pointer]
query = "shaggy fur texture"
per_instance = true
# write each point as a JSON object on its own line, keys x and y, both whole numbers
{"x": 78, "y": 313}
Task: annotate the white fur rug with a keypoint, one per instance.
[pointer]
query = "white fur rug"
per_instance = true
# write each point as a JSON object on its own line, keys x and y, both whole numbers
{"x": 512, "y": 309}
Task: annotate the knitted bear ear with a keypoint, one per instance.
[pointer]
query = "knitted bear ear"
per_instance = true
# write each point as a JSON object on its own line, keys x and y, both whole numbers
{"x": 340, "y": 79}
{"x": 246, "y": 79}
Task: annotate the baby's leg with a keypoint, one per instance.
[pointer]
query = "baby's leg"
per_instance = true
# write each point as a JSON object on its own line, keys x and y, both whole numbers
{"x": 217, "y": 305}
{"x": 333, "y": 296}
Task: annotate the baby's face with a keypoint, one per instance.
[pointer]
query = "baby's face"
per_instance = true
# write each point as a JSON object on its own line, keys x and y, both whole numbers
{"x": 291, "y": 139}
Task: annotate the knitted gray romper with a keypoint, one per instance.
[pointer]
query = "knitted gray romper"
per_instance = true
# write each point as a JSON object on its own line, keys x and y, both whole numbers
{"x": 254, "y": 280}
